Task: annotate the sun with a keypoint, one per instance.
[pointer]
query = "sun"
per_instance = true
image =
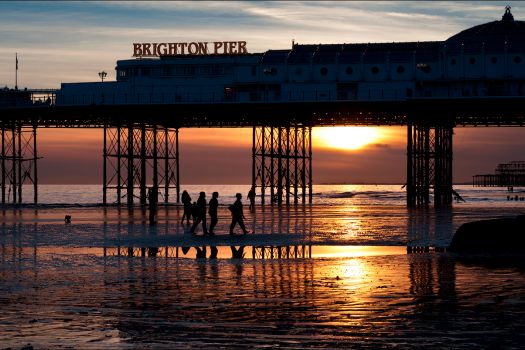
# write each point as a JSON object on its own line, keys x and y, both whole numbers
{"x": 349, "y": 137}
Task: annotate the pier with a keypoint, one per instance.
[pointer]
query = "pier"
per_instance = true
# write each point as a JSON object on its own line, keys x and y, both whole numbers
{"x": 474, "y": 78}
{"x": 506, "y": 175}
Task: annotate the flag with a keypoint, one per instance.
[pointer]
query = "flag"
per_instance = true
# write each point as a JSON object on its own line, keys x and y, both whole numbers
{"x": 16, "y": 61}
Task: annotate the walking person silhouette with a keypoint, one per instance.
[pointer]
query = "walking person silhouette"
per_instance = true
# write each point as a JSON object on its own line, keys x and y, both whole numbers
{"x": 237, "y": 215}
{"x": 251, "y": 197}
{"x": 186, "y": 200}
{"x": 201, "y": 214}
{"x": 153, "y": 198}
{"x": 213, "y": 205}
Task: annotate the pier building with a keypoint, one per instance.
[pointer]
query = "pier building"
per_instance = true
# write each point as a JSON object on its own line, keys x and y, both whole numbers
{"x": 476, "y": 77}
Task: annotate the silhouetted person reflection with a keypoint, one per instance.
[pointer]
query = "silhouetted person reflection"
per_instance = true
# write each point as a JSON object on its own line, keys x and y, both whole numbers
{"x": 213, "y": 253}
{"x": 201, "y": 252}
{"x": 186, "y": 200}
{"x": 237, "y": 253}
{"x": 213, "y": 205}
{"x": 237, "y": 215}
{"x": 153, "y": 197}
{"x": 201, "y": 214}
{"x": 251, "y": 197}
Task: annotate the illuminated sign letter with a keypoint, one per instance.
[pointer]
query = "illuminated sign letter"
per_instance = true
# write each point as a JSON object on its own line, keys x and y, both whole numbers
{"x": 173, "y": 49}
{"x": 162, "y": 50}
{"x": 203, "y": 48}
{"x": 242, "y": 47}
{"x": 146, "y": 49}
{"x": 182, "y": 47}
{"x": 193, "y": 49}
{"x": 137, "y": 51}
{"x": 217, "y": 45}
{"x": 231, "y": 47}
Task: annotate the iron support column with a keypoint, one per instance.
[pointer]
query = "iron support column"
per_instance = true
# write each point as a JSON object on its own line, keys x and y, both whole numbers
{"x": 13, "y": 170}
{"x": 35, "y": 167}
{"x": 129, "y": 194}
{"x": 104, "y": 168}
{"x": 310, "y": 176}
{"x": 177, "y": 163}
{"x": 254, "y": 180}
{"x": 429, "y": 163}
{"x": 19, "y": 158}
{"x": 166, "y": 166}
{"x": 119, "y": 160}
{"x": 143, "y": 165}
{"x": 155, "y": 162}
{"x": 295, "y": 159}
{"x": 287, "y": 173}
{"x": 3, "y": 163}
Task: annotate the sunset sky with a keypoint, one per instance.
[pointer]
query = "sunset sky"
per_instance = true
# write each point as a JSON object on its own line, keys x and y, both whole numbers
{"x": 73, "y": 41}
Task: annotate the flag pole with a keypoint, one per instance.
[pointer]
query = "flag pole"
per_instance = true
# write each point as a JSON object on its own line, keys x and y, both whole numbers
{"x": 16, "y": 70}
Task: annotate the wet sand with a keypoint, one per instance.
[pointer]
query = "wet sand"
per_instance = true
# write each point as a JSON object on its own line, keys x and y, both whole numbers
{"x": 76, "y": 285}
{"x": 82, "y": 301}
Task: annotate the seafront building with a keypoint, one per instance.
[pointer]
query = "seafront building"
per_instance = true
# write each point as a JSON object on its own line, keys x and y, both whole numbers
{"x": 485, "y": 60}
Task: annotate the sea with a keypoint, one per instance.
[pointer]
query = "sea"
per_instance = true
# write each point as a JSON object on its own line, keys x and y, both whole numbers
{"x": 331, "y": 274}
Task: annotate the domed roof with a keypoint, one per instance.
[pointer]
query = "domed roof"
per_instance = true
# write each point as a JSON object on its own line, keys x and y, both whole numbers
{"x": 506, "y": 30}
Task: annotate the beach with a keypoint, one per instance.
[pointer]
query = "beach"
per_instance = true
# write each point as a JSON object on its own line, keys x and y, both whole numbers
{"x": 334, "y": 274}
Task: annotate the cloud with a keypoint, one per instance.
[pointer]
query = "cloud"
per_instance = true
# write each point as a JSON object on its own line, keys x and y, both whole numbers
{"x": 380, "y": 145}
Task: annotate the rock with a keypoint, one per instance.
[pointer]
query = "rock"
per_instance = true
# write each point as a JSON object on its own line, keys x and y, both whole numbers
{"x": 505, "y": 235}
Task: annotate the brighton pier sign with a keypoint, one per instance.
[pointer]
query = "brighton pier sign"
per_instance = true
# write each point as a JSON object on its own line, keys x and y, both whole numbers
{"x": 192, "y": 48}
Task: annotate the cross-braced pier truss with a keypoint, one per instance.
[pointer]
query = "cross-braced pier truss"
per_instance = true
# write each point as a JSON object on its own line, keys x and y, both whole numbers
{"x": 429, "y": 164}
{"x": 282, "y": 162}
{"x": 137, "y": 156}
{"x": 18, "y": 161}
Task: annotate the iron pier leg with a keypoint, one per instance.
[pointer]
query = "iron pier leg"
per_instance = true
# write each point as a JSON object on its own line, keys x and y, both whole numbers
{"x": 295, "y": 159}
{"x": 272, "y": 165}
{"x": 310, "y": 176}
{"x": 166, "y": 166}
{"x": 303, "y": 170}
{"x": 254, "y": 160}
{"x": 177, "y": 163}
{"x": 119, "y": 160}
{"x": 287, "y": 172}
{"x": 143, "y": 165}
{"x": 13, "y": 170}
{"x": 410, "y": 167}
{"x": 279, "y": 166}
{"x": 429, "y": 164}
{"x": 263, "y": 164}
{"x": 35, "y": 168}
{"x": 104, "y": 167}
{"x": 20, "y": 175}
{"x": 3, "y": 164}
{"x": 130, "y": 179}
{"x": 155, "y": 160}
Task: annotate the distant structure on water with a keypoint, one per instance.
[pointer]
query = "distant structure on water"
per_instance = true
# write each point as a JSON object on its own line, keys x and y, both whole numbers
{"x": 507, "y": 175}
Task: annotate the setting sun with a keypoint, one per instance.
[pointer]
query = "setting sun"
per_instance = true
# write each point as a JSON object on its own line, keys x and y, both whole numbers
{"x": 350, "y": 138}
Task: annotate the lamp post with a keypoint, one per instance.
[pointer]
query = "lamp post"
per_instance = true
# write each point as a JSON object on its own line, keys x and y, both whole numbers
{"x": 102, "y": 75}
